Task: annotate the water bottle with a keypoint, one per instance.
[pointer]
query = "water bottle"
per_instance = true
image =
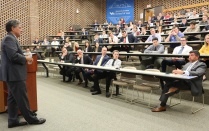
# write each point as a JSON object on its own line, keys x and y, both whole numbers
{"x": 30, "y": 55}
{"x": 166, "y": 50}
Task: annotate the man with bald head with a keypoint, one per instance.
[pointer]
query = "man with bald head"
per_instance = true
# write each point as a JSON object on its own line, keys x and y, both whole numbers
{"x": 82, "y": 59}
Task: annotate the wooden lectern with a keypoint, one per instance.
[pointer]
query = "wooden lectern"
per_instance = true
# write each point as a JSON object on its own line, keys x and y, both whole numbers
{"x": 31, "y": 88}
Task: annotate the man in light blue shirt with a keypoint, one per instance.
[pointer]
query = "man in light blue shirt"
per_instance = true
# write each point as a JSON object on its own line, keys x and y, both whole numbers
{"x": 153, "y": 34}
{"x": 174, "y": 35}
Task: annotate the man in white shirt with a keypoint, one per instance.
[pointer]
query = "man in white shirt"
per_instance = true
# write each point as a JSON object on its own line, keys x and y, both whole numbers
{"x": 55, "y": 47}
{"x": 112, "y": 40}
{"x": 178, "y": 62}
{"x": 153, "y": 34}
{"x": 194, "y": 15}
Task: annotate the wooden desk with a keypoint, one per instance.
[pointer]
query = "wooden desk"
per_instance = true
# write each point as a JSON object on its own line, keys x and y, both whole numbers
{"x": 136, "y": 72}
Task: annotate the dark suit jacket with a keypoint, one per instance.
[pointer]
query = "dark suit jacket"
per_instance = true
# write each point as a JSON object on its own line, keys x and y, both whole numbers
{"x": 13, "y": 62}
{"x": 104, "y": 61}
{"x": 198, "y": 69}
{"x": 183, "y": 25}
{"x": 89, "y": 49}
{"x": 131, "y": 39}
{"x": 206, "y": 27}
{"x": 99, "y": 40}
{"x": 69, "y": 48}
{"x": 86, "y": 60}
{"x": 69, "y": 58}
{"x": 98, "y": 50}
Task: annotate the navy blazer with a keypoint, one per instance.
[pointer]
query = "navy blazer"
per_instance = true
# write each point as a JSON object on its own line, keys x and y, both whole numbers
{"x": 104, "y": 61}
{"x": 86, "y": 60}
{"x": 13, "y": 61}
{"x": 131, "y": 39}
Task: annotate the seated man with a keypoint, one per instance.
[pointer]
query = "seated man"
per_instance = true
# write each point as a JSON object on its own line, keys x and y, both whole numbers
{"x": 97, "y": 39}
{"x": 82, "y": 59}
{"x": 178, "y": 62}
{"x": 155, "y": 48}
{"x": 193, "y": 68}
{"x": 100, "y": 60}
{"x": 116, "y": 63}
{"x": 112, "y": 40}
{"x": 66, "y": 57}
{"x": 55, "y": 47}
{"x": 174, "y": 36}
{"x": 204, "y": 20}
{"x": 127, "y": 38}
{"x": 193, "y": 28}
{"x": 153, "y": 34}
{"x": 184, "y": 23}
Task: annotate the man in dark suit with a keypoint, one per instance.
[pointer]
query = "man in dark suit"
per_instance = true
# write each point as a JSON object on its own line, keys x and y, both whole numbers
{"x": 82, "y": 59}
{"x": 66, "y": 57}
{"x": 193, "y": 68}
{"x": 84, "y": 34}
{"x": 97, "y": 39}
{"x": 127, "y": 38}
{"x": 184, "y": 23}
{"x": 101, "y": 60}
{"x": 14, "y": 73}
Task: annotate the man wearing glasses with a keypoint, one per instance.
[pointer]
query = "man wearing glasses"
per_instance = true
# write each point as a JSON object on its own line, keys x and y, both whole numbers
{"x": 178, "y": 62}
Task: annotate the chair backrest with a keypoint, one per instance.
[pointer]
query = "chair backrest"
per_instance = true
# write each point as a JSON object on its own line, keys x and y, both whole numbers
{"x": 150, "y": 78}
{"x": 128, "y": 75}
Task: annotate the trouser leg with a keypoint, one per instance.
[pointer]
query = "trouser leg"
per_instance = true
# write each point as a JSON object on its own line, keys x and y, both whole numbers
{"x": 19, "y": 94}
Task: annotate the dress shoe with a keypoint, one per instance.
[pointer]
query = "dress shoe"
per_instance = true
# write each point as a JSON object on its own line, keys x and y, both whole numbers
{"x": 80, "y": 82}
{"x": 92, "y": 90}
{"x": 107, "y": 94}
{"x": 116, "y": 94}
{"x": 96, "y": 93}
{"x": 39, "y": 121}
{"x": 159, "y": 109}
{"x": 18, "y": 124}
{"x": 172, "y": 91}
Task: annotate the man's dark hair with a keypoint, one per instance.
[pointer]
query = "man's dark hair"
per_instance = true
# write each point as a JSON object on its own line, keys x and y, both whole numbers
{"x": 154, "y": 38}
{"x": 10, "y": 24}
{"x": 197, "y": 53}
{"x": 184, "y": 37}
{"x": 123, "y": 31}
{"x": 193, "y": 23}
{"x": 175, "y": 26}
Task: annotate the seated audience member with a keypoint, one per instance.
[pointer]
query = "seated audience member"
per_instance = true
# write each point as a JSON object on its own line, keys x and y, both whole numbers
{"x": 150, "y": 24}
{"x": 47, "y": 48}
{"x": 95, "y": 22}
{"x": 139, "y": 25}
{"x": 82, "y": 59}
{"x": 153, "y": 18}
{"x": 76, "y": 47}
{"x": 184, "y": 23}
{"x": 177, "y": 61}
{"x": 127, "y": 29}
{"x": 174, "y": 35}
{"x": 206, "y": 27}
{"x": 103, "y": 35}
{"x": 97, "y": 48}
{"x": 100, "y": 28}
{"x": 122, "y": 21}
{"x": 204, "y": 20}
{"x": 36, "y": 41}
{"x": 193, "y": 68}
{"x": 155, "y": 48}
{"x": 179, "y": 15}
{"x": 193, "y": 28}
{"x": 68, "y": 44}
{"x": 202, "y": 10}
{"x": 39, "y": 52}
{"x": 194, "y": 15}
{"x": 131, "y": 25}
{"x": 112, "y": 40}
{"x": 71, "y": 28}
{"x": 205, "y": 51}
{"x": 135, "y": 32}
{"x": 157, "y": 24}
{"x": 66, "y": 57}
{"x": 206, "y": 12}
{"x": 188, "y": 13}
{"x": 55, "y": 46}
{"x": 84, "y": 32}
{"x": 116, "y": 63}
{"x": 117, "y": 30}
{"x": 60, "y": 33}
{"x": 127, "y": 38}
{"x": 88, "y": 47}
{"x": 153, "y": 34}
{"x": 167, "y": 16}
{"x": 143, "y": 32}
{"x": 161, "y": 16}
{"x": 101, "y": 60}
{"x": 97, "y": 39}
{"x": 175, "y": 21}
{"x": 171, "y": 17}
{"x": 160, "y": 30}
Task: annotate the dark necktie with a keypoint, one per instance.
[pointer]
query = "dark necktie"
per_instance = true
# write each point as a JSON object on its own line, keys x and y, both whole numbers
{"x": 181, "y": 50}
{"x": 155, "y": 49}
{"x": 113, "y": 62}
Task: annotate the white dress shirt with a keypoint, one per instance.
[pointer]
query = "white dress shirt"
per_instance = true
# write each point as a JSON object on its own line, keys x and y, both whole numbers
{"x": 186, "y": 49}
{"x": 55, "y": 43}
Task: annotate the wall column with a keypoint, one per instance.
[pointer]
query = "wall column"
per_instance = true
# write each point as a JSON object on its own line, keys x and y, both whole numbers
{"x": 34, "y": 19}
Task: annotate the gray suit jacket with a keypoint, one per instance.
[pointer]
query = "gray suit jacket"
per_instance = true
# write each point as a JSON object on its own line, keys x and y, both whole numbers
{"x": 13, "y": 62}
{"x": 198, "y": 69}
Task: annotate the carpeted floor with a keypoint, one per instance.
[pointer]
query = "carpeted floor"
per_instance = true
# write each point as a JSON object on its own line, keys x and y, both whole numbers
{"x": 67, "y": 106}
